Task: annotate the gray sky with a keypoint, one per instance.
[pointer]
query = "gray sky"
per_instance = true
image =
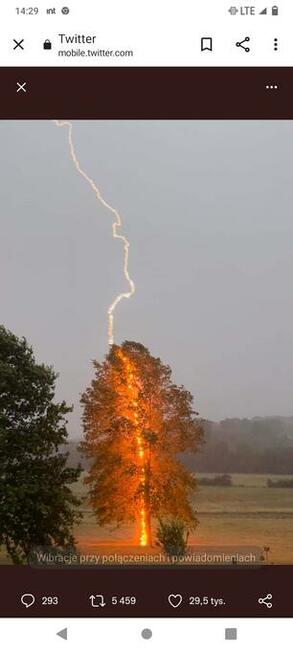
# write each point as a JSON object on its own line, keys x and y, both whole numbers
{"x": 207, "y": 207}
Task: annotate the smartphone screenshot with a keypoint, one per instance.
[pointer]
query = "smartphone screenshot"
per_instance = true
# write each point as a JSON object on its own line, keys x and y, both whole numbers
{"x": 146, "y": 358}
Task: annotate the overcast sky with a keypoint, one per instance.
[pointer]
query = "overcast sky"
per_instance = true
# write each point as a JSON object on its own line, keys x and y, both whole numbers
{"x": 207, "y": 207}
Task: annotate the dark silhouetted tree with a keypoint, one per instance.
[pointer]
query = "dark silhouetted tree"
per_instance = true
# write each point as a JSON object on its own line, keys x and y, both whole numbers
{"x": 37, "y": 506}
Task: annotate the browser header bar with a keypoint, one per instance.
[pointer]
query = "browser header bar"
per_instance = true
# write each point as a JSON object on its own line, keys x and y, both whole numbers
{"x": 87, "y": 34}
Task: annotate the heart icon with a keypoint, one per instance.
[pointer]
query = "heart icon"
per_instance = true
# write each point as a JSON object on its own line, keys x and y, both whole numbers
{"x": 175, "y": 600}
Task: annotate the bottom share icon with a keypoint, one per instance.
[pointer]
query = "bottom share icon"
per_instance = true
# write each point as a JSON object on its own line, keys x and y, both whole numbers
{"x": 266, "y": 600}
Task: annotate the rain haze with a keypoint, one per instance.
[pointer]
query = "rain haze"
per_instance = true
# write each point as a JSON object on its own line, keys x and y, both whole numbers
{"x": 207, "y": 208}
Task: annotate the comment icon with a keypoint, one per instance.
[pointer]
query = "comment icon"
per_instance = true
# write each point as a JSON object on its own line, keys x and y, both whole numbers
{"x": 27, "y": 600}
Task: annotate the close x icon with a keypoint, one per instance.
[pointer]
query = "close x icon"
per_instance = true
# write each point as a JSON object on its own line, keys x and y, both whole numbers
{"x": 18, "y": 44}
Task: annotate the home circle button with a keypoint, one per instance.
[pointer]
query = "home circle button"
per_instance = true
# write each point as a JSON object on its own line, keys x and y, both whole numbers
{"x": 146, "y": 634}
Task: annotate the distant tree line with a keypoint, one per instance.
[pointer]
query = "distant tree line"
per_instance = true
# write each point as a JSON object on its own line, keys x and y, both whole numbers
{"x": 222, "y": 480}
{"x": 284, "y": 483}
{"x": 261, "y": 445}
{"x": 246, "y": 446}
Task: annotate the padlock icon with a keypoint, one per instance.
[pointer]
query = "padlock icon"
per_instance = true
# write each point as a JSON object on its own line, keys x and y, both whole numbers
{"x": 47, "y": 44}
{"x": 275, "y": 10}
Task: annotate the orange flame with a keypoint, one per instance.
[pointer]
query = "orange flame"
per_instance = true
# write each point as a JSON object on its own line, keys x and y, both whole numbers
{"x": 143, "y": 532}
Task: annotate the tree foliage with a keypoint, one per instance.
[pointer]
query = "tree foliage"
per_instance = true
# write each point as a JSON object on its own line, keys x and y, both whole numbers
{"x": 136, "y": 423}
{"x": 37, "y": 506}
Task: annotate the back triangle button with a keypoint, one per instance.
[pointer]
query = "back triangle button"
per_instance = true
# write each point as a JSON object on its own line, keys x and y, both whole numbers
{"x": 63, "y": 634}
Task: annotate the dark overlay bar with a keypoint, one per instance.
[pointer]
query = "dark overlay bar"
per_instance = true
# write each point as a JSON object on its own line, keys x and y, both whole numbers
{"x": 146, "y": 93}
{"x": 205, "y": 592}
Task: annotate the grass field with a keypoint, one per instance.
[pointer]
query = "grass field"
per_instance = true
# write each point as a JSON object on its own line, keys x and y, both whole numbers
{"x": 246, "y": 514}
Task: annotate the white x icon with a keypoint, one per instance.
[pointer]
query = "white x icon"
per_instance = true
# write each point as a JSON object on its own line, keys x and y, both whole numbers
{"x": 21, "y": 87}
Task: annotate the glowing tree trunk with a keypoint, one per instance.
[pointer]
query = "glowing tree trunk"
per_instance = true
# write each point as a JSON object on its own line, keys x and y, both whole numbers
{"x": 144, "y": 519}
{"x": 148, "y": 531}
{"x": 143, "y": 509}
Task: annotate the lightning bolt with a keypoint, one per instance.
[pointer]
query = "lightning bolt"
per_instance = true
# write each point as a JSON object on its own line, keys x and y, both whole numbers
{"x": 116, "y": 227}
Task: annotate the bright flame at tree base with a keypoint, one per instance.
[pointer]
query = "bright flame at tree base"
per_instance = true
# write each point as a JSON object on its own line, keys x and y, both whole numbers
{"x": 143, "y": 534}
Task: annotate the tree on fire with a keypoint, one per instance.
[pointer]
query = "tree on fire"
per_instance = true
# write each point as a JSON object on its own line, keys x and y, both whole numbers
{"x": 136, "y": 423}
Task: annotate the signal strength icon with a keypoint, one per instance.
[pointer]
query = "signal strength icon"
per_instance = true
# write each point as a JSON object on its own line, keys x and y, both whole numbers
{"x": 263, "y": 12}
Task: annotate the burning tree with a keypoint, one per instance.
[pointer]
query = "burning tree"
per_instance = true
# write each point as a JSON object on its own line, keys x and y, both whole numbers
{"x": 136, "y": 423}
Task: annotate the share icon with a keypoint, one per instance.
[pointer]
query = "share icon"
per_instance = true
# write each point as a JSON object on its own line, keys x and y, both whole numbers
{"x": 266, "y": 600}
{"x": 240, "y": 44}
